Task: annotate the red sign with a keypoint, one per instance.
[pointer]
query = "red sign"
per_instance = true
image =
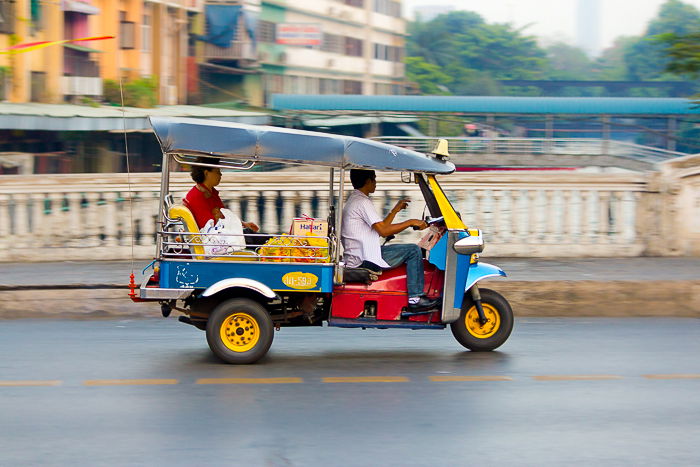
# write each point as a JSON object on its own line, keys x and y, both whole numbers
{"x": 299, "y": 34}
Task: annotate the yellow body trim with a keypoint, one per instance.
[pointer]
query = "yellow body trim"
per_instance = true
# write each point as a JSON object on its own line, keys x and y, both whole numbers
{"x": 452, "y": 220}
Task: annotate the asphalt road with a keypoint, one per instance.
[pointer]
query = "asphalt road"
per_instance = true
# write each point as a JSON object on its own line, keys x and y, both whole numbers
{"x": 148, "y": 392}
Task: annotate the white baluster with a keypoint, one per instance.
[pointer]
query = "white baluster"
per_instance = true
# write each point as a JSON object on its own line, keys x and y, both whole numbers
{"x": 270, "y": 220}
{"x": 585, "y": 217}
{"x": 39, "y": 232}
{"x": 305, "y": 203}
{"x": 532, "y": 219}
{"x": 498, "y": 234}
{"x": 92, "y": 219}
{"x": 552, "y": 216}
{"x": 5, "y": 240}
{"x": 75, "y": 226}
{"x": 288, "y": 202}
{"x": 110, "y": 218}
{"x": 629, "y": 233}
{"x": 477, "y": 196}
{"x": 21, "y": 223}
{"x": 604, "y": 216}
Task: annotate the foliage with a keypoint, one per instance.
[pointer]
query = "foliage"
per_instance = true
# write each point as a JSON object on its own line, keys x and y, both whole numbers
{"x": 683, "y": 52}
{"x": 429, "y": 77}
{"x": 141, "y": 92}
{"x": 646, "y": 59}
{"x": 459, "y": 53}
{"x": 566, "y": 62}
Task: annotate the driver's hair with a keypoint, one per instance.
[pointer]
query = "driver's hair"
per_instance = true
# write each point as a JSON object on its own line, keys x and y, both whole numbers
{"x": 359, "y": 177}
{"x": 197, "y": 171}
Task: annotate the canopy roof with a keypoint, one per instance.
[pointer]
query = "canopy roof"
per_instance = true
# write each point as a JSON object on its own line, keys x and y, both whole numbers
{"x": 241, "y": 142}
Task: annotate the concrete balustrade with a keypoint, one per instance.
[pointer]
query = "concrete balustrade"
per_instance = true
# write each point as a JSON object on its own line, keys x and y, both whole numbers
{"x": 530, "y": 214}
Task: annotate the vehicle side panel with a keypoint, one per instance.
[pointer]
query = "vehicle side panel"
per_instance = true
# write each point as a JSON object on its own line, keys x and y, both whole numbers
{"x": 280, "y": 277}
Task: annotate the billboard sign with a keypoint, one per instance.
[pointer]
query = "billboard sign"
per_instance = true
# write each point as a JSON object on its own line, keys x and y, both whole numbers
{"x": 299, "y": 34}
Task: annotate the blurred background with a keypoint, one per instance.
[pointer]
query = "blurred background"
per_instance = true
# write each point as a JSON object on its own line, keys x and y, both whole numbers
{"x": 584, "y": 109}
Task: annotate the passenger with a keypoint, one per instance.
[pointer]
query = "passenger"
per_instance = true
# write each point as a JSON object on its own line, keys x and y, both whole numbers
{"x": 204, "y": 202}
{"x": 362, "y": 228}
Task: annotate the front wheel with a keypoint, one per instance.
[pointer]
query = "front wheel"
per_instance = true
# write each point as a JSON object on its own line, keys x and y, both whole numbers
{"x": 239, "y": 331}
{"x": 471, "y": 334}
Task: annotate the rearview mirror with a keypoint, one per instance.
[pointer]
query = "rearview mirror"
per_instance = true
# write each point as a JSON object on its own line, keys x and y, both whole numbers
{"x": 406, "y": 177}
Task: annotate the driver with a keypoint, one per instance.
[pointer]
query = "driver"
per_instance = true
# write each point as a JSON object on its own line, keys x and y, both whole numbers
{"x": 362, "y": 228}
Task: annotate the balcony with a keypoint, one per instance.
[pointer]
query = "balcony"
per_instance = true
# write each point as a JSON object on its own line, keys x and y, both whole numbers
{"x": 238, "y": 50}
{"x": 81, "y": 86}
{"x": 81, "y": 75}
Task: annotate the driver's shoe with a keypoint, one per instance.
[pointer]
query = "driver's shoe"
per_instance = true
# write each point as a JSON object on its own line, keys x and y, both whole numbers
{"x": 424, "y": 304}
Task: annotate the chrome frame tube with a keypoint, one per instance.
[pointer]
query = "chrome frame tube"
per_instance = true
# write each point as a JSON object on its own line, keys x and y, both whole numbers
{"x": 164, "y": 186}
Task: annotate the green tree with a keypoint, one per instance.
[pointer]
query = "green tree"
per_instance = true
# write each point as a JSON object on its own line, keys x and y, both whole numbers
{"x": 567, "y": 62}
{"x": 430, "y": 78}
{"x": 646, "y": 59}
{"x": 468, "y": 55}
{"x": 683, "y": 53}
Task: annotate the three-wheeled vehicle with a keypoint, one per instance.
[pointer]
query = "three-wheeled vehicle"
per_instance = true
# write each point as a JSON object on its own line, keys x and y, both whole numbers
{"x": 239, "y": 298}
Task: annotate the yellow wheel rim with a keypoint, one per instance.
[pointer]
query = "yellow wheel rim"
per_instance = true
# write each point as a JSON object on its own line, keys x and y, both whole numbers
{"x": 240, "y": 332}
{"x": 475, "y": 328}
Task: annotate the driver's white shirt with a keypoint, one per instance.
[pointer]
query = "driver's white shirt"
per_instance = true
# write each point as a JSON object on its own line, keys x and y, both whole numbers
{"x": 360, "y": 241}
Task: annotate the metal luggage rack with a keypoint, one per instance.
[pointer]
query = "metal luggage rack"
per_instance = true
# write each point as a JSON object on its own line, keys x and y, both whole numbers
{"x": 182, "y": 248}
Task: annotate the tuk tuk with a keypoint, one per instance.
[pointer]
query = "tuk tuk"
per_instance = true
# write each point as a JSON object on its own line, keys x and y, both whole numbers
{"x": 241, "y": 297}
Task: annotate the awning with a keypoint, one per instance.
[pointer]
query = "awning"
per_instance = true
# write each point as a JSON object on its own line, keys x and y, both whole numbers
{"x": 79, "y": 48}
{"x": 79, "y": 7}
{"x": 67, "y": 117}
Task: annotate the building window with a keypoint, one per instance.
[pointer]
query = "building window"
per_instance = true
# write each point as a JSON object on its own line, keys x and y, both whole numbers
{"x": 146, "y": 33}
{"x": 266, "y": 32}
{"x": 388, "y": 7}
{"x": 332, "y": 43}
{"x": 388, "y": 52}
{"x": 127, "y": 32}
{"x": 37, "y": 86}
{"x": 352, "y": 87}
{"x": 7, "y": 16}
{"x": 353, "y": 47}
{"x": 357, "y": 3}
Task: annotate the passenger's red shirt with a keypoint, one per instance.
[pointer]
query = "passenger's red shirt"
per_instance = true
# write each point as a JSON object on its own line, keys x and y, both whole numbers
{"x": 203, "y": 203}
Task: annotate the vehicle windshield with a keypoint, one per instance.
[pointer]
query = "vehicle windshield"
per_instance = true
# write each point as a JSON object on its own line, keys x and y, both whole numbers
{"x": 429, "y": 196}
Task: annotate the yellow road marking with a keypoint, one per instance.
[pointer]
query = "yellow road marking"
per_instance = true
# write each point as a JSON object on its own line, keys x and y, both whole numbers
{"x": 31, "y": 383}
{"x": 678, "y": 376}
{"x": 365, "y": 379}
{"x": 249, "y": 380}
{"x": 574, "y": 377}
{"x": 129, "y": 382}
{"x": 446, "y": 378}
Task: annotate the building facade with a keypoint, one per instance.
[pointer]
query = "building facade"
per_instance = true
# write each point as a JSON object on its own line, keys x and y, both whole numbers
{"x": 203, "y": 51}
{"x": 332, "y": 47}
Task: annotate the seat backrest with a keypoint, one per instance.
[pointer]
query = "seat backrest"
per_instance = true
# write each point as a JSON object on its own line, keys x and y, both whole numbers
{"x": 178, "y": 211}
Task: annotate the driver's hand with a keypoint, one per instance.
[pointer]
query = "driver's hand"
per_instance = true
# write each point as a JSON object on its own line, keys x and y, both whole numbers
{"x": 402, "y": 204}
{"x": 419, "y": 224}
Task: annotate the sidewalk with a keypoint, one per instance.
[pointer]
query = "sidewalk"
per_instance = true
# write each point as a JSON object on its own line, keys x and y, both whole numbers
{"x": 535, "y": 287}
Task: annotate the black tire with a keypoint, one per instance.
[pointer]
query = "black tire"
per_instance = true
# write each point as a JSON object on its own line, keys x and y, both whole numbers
{"x": 493, "y": 334}
{"x": 239, "y": 331}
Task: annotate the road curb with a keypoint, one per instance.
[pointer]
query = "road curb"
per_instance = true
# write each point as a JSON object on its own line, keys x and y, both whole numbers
{"x": 528, "y": 298}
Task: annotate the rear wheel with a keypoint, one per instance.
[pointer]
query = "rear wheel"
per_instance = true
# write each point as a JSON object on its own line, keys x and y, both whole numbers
{"x": 239, "y": 331}
{"x": 469, "y": 331}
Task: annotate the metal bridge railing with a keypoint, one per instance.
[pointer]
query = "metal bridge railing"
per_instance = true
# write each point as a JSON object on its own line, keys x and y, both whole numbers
{"x": 534, "y": 146}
